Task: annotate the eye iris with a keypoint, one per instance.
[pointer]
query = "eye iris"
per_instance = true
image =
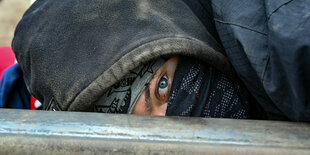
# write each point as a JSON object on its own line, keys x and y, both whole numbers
{"x": 163, "y": 83}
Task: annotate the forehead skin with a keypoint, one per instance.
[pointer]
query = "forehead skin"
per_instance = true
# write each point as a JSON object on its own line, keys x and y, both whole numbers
{"x": 150, "y": 103}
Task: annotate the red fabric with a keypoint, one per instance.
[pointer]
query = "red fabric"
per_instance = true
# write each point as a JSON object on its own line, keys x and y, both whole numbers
{"x": 7, "y": 58}
{"x": 32, "y": 103}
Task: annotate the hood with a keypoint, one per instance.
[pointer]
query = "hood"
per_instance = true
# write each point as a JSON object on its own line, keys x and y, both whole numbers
{"x": 72, "y": 51}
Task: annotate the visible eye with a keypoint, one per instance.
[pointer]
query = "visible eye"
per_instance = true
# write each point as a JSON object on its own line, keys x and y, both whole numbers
{"x": 163, "y": 87}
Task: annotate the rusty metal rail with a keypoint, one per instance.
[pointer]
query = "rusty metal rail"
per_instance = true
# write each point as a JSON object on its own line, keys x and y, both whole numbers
{"x": 43, "y": 132}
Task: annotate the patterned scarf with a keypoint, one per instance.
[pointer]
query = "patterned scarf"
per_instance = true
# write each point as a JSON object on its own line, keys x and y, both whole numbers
{"x": 123, "y": 96}
{"x": 201, "y": 91}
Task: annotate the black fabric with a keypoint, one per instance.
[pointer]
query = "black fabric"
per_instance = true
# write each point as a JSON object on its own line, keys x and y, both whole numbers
{"x": 72, "y": 51}
{"x": 203, "y": 10}
{"x": 201, "y": 91}
{"x": 267, "y": 42}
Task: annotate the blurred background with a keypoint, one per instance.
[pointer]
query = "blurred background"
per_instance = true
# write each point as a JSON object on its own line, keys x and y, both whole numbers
{"x": 11, "y": 12}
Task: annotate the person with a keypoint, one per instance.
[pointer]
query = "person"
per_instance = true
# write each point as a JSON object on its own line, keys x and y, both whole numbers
{"x": 267, "y": 42}
{"x": 108, "y": 56}
{"x": 105, "y": 56}
{"x": 179, "y": 86}
{"x": 13, "y": 91}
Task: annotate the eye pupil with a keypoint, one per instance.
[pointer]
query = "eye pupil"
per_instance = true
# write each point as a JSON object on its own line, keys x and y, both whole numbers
{"x": 163, "y": 83}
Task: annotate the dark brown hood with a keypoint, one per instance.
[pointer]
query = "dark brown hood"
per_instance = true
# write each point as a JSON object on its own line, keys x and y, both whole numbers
{"x": 72, "y": 51}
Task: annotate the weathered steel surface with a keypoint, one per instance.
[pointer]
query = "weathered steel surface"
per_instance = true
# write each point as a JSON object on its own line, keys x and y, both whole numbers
{"x": 45, "y": 132}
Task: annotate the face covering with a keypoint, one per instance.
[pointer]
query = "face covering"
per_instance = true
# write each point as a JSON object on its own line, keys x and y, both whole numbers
{"x": 123, "y": 96}
{"x": 201, "y": 91}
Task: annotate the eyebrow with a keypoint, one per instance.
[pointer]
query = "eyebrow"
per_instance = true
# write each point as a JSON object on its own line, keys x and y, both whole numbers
{"x": 148, "y": 101}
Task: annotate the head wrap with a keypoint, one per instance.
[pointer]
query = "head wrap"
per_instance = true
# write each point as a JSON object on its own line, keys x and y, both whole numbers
{"x": 122, "y": 96}
{"x": 200, "y": 90}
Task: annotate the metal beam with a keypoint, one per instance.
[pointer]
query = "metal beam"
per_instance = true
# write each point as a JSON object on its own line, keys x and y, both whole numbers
{"x": 46, "y": 132}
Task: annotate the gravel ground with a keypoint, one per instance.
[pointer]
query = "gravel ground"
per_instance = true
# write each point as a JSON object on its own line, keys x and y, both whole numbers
{"x": 11, "y": 12}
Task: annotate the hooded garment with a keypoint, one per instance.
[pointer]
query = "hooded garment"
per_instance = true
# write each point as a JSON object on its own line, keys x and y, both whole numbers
{"x": 72, "y": 51}
{"x": 268, "y": 43}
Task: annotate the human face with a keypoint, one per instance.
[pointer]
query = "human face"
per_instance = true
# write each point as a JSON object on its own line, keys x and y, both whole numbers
{"x": 154, "y": 99}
